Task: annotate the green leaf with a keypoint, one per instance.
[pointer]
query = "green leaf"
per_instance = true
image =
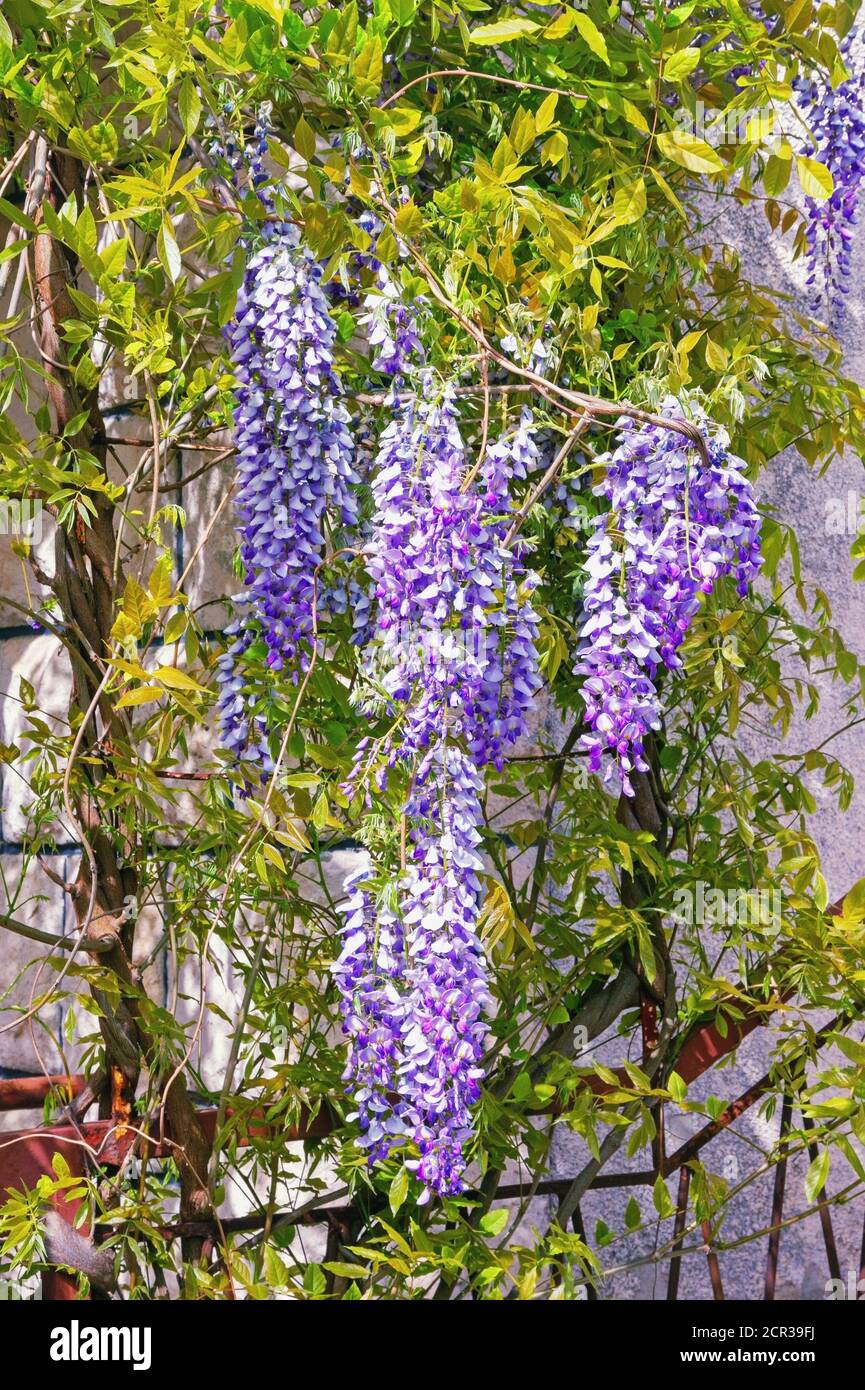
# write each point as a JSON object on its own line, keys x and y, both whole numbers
{"x": 398, "y": 1190}
{"x": 345, "y": 1271}
{"x": 591, "y": 34}
{"x": 403, "y": 11}
{"x": 815, "y": 179}
{"x": 852, "y": 1049}
{"x": 629, "y": 204}
{"x": 680, "y": 65}
{"x": 689, "y": 151}
{"x": 504, "y": 32}
{"x": 304, "y": 139}
{"x": 661, "y": 1198}
{"x": 341, "y": 40}
{"x": 633, "y": 1215}
{"x": 776, "y": 175}
{"x": 818, "y": 1172}
{"x": 522, "y": 1087}
{"x": 368, "y": 67}
{"x": 854, "y": 900}
{"x": 492, "y": 1223}
{"x": 13, "y": 214}
{"x": 189, "y": 105}
{"x": 169, "y": 251}
{"x": 677, "y": 1088}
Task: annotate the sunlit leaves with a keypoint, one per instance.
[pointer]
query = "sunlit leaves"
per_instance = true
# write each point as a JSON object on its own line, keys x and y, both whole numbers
{"x": 815, "y": 179}
{"x": 503, "y": 32}
{"x": 688, "y": 150}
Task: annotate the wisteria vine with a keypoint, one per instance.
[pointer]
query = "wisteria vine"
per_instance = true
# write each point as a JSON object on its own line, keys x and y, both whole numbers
{"x": 449, "y": 645}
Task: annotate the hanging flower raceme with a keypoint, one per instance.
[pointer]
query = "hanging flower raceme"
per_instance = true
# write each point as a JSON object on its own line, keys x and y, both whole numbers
{"x": 454, "y": 652}
{"x": 455, "y": 627}
{"x": 510, "y": 674}
{"x": 445, "y": 1028}
{"x": 674, "y": 528}
{"x": 370, "y": 972}
{"x": 294, "y": 454}
{"x": 836, "y": 118}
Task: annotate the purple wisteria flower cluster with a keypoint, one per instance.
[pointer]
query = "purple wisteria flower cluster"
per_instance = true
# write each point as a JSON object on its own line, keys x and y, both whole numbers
{"x": 455, "y": 628}
{"x": 837, "y": 122}
{"x": 414, "y": 986}
{"x": 294, "y": 459}
{"x": 455, "y": 654}
{"x": 370, "y": 973}
{"x": 674, "y": 528}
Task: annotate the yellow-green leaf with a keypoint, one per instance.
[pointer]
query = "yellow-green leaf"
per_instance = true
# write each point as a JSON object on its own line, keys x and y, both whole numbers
{"x": 504, "y": 32}
{"x": 591, "y": 34}
{"x": 409, "y": 219}
{"x": 818, "y": 1172}
{"x": 177, "y": 680}
{"x": 546, "y": 113}
{"x": 304, "y": 139}
{"x": 680, "y": 65}
{"x": 143, "y": 695}
{"x": 368, "y": 66}
{"x": 815, "y": 178}
{"x": 689, "y": 151}
{"x": 629, "y": 204}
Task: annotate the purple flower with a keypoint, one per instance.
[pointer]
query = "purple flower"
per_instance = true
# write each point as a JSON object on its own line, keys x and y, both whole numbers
{"x": 453, "y": 651}
{"x": 294, "y": 457}
{"x": 674, "y": 529}
{"x": 837, "y": 122}
{"x": 369, "y": 972}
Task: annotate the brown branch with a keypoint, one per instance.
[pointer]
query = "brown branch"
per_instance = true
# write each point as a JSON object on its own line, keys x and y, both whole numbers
{"x": 495, "y": 77}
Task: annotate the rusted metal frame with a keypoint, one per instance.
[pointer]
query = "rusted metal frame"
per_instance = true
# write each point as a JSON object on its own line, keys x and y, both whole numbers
{"x": 734, "y": 1110}
{"x": 712, "y": 1259}
{"x": 580, "y": 1230}
{"x": 777, "y": 1205}
{"x": 29, "y": 1092}
{"x": 678, "y": 1234}
{"x": 558, "y": 1187}
{"x": 825, "y": 1215}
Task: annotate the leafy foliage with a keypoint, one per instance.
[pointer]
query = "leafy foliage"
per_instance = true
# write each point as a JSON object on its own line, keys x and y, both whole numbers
{"x": 539, "y": 189}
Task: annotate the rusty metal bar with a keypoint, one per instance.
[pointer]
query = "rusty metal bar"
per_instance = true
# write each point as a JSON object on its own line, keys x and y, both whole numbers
{"x": 777, "y": 1206}
{"x": 825, "y": 1216}
{"x": 580, "y": 1230}
{"x": 678, "y": 1234}
{"x": 712, "y": 1259}
{"x": 558, "y": 1187}
{"x": 29, "y": 1092}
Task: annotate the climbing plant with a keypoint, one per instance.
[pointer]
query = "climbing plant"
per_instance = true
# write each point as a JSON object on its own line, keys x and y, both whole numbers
{"x": 444, "y": 296}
